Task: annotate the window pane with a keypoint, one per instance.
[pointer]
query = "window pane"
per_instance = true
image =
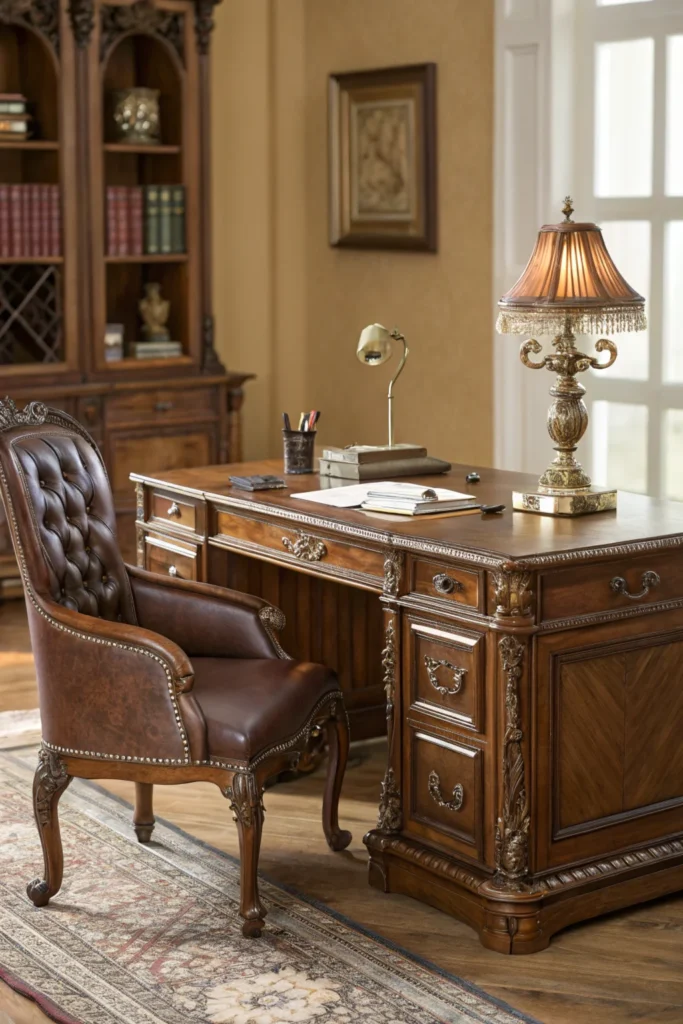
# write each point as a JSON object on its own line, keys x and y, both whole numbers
{"x": 673, "y": 322}
{"x": 619, "y": 445}
{"x": 673, "y": 454}
{"x": 624, "y": 82}
{"x": 674, "y": 124}
{"x": 613, "y": 3}
{"x": 628, "y": 242}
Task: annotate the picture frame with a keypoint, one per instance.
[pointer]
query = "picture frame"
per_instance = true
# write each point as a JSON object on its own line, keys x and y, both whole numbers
{"x": 382, "y": 153}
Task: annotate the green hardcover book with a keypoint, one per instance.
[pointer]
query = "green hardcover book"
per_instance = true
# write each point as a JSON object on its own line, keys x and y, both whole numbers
{"x": 178, "y": 219}
{"x": 152, "y": 227}
{"x": 165, "y": 214}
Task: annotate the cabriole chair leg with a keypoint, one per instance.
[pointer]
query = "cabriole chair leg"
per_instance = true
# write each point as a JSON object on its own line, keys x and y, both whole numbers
{"x": 338, "y": 745}
{"x": 143, "y": 816}
{"x": 49, "y": 783}
{"x": 247, "y": 807}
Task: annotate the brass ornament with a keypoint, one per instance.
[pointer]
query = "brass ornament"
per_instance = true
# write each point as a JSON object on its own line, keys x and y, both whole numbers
{"x": 389, "y": 817}
{"x": 389, "y": 668}
{"x": 136, "y": 121}
{"x": 648, "y": 581}
{"x": 305, "y": 547}
{"x": 273, "y": 621}
{"x": 512, "y": 829}
{"x": 393, "y": 569}
{"x": 434, "y": 664}
{"x": 457, "y": 797}
{"x": 512, "y": 594}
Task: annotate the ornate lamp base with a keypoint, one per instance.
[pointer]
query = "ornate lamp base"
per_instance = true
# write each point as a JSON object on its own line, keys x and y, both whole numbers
{"x": 569, "y": 503}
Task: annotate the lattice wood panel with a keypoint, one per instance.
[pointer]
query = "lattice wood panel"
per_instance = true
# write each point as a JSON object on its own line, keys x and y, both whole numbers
{"x": 31, "y": 316}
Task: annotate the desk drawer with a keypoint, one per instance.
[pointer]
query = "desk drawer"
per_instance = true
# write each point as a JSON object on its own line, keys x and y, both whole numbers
{"x": 170, "y": 509}
{"x": 161, "y": 404}
{"x": 446, "y": 792}
{"x": 171, "y": 558}
{"x": 446, "y": 582}
{"x": 446, "y": 671}
{"x": 612, "y": 586}
{"x": 305, "y": 547}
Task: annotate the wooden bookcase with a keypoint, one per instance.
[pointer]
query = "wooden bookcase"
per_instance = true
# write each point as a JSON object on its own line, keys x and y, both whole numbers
{"x": 148, "y": 415}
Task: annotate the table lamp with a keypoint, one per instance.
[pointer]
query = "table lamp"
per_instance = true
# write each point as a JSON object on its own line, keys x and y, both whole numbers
{"x": 570, "y": 285}
{"x": 374, "y": 348}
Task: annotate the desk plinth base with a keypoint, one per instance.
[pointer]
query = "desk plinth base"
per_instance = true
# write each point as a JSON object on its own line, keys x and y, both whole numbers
{"x": 522, "y": 919}
{"x": 576, "y": 503}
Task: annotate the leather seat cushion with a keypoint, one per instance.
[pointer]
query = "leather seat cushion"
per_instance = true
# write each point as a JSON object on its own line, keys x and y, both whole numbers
{"x": 255, "y": 703}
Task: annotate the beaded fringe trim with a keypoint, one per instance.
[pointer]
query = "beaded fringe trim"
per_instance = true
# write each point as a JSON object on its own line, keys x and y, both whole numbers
{"x": 607, "y": 320}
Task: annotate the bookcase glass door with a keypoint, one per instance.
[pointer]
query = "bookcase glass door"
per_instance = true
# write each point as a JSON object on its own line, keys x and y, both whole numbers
{"x": 33, "y": 331}
{"x": 146, "y": 245}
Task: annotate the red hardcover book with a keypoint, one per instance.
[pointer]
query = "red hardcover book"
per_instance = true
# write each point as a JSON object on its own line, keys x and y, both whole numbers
{"x": 55, "y": 221}
{"x": 111, "y": 196}
{"x": 26, "y": 219}
{"x": 34, "y": 225}
{"x": 122, "y": 220}
{"x": 15, "y": 233}
{"x": 135, "y": 224}
{"x": 5, "y": 251}
{"x": 44, "y": 217}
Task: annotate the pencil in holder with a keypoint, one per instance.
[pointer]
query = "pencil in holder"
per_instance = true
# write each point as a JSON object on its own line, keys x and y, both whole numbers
{"x": 298, "y": 450}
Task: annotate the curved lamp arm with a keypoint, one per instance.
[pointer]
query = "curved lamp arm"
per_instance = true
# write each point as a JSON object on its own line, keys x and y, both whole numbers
{"x": 397, "y": 336}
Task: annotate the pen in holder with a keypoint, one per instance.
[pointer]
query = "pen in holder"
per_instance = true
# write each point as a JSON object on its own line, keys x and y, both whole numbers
{"x": 298, "y": 450}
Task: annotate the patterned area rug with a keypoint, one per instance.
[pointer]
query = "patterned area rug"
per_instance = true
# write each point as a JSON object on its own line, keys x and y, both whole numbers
{"x": 151, "y": 934}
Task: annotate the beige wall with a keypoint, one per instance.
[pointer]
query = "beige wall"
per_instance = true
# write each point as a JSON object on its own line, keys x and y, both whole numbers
{"x": 288, "y": 306}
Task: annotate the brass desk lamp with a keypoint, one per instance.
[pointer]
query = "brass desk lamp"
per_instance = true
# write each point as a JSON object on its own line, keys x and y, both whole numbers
{"x": 374, "y": 348}
{"x": 569, "y": 284}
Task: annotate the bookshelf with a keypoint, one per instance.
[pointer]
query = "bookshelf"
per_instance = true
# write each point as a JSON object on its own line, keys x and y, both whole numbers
{"x": 72, "y": 60}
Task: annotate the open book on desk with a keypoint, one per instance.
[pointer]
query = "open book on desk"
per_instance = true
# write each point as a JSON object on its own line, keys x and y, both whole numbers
{"x": 390, "y": 496}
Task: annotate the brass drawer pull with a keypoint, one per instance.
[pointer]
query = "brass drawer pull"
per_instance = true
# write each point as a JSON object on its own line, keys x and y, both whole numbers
{"x": 305, "y": 547}
{"x": 648, "y": 581}
{"x": 444, "y": 584}
{"x": 163, "y": 406}
{"x": 434, "y": 664}
{"x": 172, "y": 571}
{"x": 173, "y": 510}
{"x": 457, "y": 796}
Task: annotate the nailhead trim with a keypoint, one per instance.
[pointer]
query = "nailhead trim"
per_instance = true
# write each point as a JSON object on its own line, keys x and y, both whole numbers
{"x": 96, "y": 640}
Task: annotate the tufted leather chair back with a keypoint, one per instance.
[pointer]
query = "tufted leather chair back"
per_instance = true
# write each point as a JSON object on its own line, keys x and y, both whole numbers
{"x": 61, "y": 513}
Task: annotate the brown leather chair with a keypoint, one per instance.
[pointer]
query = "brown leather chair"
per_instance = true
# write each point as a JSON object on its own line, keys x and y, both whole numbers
{"x": 144, "y": 677}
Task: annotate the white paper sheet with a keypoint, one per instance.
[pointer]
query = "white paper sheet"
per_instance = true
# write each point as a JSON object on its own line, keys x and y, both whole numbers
{"x": 353, "y": 495}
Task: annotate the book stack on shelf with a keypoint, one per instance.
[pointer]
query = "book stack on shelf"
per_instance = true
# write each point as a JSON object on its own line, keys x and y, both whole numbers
{"x": 363, "y": 462}
{"x": 30, "y": 222}
{"x": 145, "y": 220}
{"x": 15, "y": 120}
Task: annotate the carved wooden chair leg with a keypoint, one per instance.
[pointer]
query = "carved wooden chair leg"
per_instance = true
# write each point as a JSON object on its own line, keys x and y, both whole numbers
{"x": 247, "y": 807}
{"x": 338, "y": 744}
{"x": 143, "y": 817}
{"x": 49, "y": 783}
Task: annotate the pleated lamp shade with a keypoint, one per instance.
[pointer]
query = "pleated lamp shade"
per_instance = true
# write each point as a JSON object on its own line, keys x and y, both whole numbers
{"x": 571, "y": 280}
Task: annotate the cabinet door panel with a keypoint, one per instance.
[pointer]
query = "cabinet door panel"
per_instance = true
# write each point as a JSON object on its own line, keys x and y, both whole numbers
{"x": 157, "y": 452}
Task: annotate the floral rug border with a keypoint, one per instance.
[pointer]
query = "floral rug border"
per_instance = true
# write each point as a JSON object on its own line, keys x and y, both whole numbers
{"x": 62, "y": 1017}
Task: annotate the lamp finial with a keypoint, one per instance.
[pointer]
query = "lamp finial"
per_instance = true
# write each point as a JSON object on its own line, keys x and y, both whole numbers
{"x": 568, "y": 209}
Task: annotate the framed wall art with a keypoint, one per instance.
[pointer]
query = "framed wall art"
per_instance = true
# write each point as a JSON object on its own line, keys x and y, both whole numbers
{"x": 382, "y": 127}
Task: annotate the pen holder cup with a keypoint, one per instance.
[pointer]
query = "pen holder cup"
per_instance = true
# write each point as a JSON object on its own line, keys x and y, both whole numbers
{"x": 298, "y": 450}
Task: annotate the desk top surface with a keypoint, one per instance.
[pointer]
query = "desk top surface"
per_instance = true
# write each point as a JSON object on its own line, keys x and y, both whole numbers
{"x": 640, "y": 523}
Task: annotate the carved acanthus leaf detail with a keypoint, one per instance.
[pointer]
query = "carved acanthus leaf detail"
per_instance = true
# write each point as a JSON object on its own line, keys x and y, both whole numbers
{"x": 82, "y": 15}
{"x": 245, "y": 799}
{"x": 141, "y": 16}
{"x": 42, "y": 15}
{"x": 389, "y": 666}
{"x": 512, "y": 593}
{"x": 393, "y": 569}
{"x": 389, "y": 818}
{"x": 51, "y": 776}
{"x": 512, "y": 830}
{"x": 273, "y": 621}
{"x": 203, "y": 24}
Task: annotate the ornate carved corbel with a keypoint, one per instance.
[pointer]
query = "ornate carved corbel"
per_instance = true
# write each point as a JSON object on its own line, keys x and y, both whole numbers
{"x": 389, "y": 668}
{"x": 203, "y": 24}
{"x": 512, "y": 594}
{"x": 393, "y": 570}
{"x": 82, "y": 17}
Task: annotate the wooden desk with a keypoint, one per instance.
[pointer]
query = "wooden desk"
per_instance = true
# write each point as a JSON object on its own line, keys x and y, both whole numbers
{"x": 533, "y": 703}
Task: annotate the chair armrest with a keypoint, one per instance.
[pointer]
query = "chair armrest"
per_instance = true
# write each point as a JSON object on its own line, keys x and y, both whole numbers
{"x": 204, "y": 620}
{"x": 112, "y": 689}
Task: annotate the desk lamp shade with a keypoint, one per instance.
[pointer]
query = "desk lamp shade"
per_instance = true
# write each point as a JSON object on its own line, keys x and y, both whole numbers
{"x": 571, "y": 274}
{"x": 570, "y": 285}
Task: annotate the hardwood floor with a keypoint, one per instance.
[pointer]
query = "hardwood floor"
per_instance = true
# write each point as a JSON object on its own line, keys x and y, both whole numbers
{"x": 620, "y": 969}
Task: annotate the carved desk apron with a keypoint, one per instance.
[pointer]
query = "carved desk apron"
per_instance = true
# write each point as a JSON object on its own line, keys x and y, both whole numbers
{"x": 528, "y": 672}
